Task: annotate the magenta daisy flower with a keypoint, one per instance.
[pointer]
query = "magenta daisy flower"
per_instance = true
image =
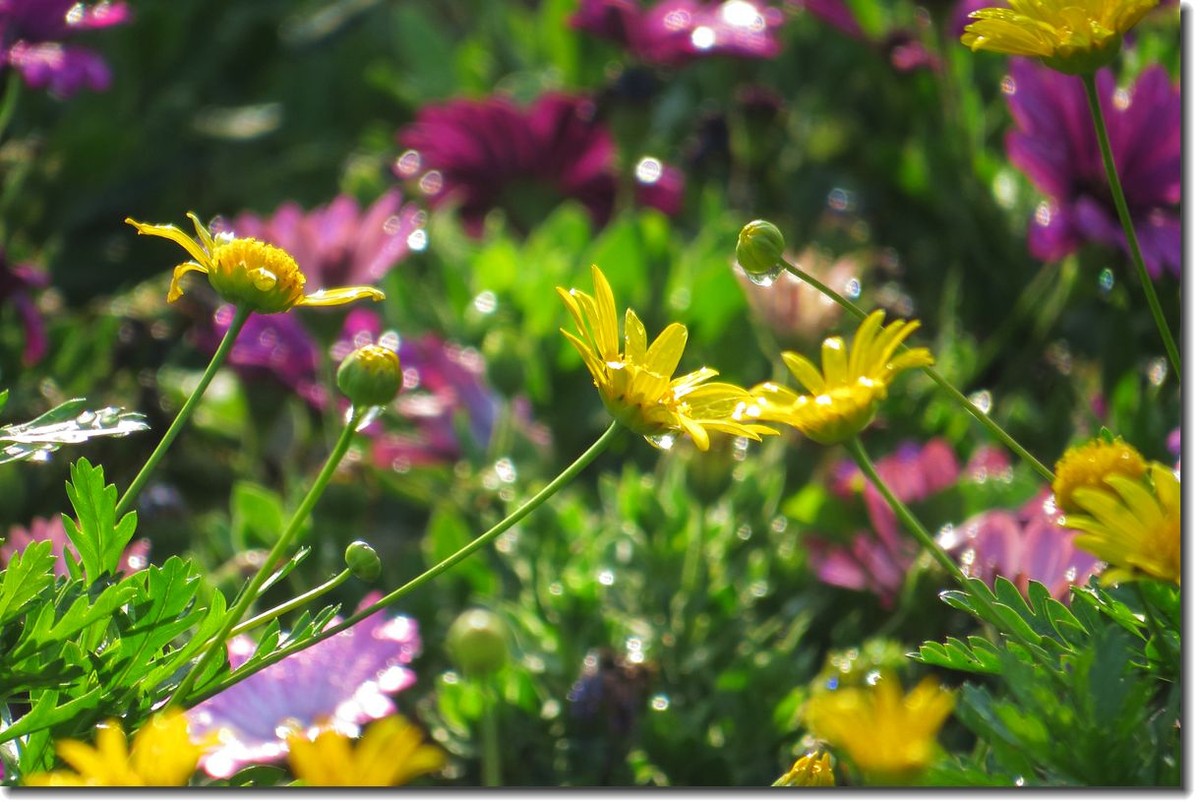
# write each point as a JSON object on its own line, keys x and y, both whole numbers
{"x": 338, "y": 684}
{"x": 491, "y": 153}
{"x": 32, "y": 33}
{"x": 674, "y": 32}
{"x": 1055, "y": 146}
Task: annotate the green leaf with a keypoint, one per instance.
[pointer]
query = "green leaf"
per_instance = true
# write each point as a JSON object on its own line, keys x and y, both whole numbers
{"x": 46, "y": 713}
{"x": 27, "y": 575}
{"x": 256, "y": 515}
{"x": 214, "y": 617}
{"x": 99, "y": 537}
{"x": 66, "y": 424}
{"x": 163, "y": 610}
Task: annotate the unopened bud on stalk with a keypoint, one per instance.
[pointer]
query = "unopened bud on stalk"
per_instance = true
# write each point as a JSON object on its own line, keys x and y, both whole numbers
{"x": 362, "y": 561}
{"x": 478, "y": 642}
{"x": 760, "y": 248}
{"x": 370, "y": 376}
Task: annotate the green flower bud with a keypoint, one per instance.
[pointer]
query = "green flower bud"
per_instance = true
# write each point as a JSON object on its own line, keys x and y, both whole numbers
{"x": 760, "y": 248}
{"x": 362, "y": 561}
{"x": 478, "y": 642}
{"x": 370, "y": 376}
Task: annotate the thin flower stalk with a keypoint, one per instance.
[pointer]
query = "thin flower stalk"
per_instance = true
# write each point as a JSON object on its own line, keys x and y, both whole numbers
{"x": 518, "y": 515}
{"x": 991, "y": 425}
{"x": 250, "y": 593}
{"x": 240, "y": 316}
{"x": 1135, "y": 249}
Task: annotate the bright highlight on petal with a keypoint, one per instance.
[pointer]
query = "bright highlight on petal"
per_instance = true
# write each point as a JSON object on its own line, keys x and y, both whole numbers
{"x": 1071, "y": 36}
{"x": 843, "y": 395}
{"x": 163, "y": 754}
{"x": 390, "y": 753}
{"x": 1133, "y": 524}
{"x": 246, "y": 271}
{"x": 890, "y": 736}
{"x": 636, "y": 385}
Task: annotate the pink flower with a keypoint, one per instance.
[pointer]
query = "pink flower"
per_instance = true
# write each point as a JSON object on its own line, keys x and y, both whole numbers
{"x": 1022, "y": 546}
{"x": 40, "y": 529}
{"x": 340, "y": 683}
{"x": 31, "y": 42}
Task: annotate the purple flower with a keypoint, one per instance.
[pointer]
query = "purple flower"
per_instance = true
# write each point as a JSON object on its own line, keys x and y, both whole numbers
{"x": 1055, "y": 146}
{"x": 16, "y": 285}
{"x": 491, "y": 153}
{"x": 31, "y": 42}
{"x": 1022, "y": 546}
{"x": 674, "y": 32}
{"x": 341, "y": 683}
{"x": 444, "y": 398}
{"x": 337, "y": 244}
{"x": 40, "y": 529}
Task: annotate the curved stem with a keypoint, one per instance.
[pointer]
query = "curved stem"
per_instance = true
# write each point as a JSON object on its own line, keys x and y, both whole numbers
{"x": 987, "y": 422}
{"x": 1135, "y": 249}
{"x": 291, "y": 604}
{"x": 243, "y": 602}
{"x": 518, "y": 515}
{"x": 185, "y": 413}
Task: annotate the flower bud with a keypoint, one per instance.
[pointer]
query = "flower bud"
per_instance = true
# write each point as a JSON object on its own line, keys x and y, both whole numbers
{"x": 362, "y": 561}
{"x": 760, "y": 248}
{"x": 478, "y": 642}
{"x": 370, "y": 376}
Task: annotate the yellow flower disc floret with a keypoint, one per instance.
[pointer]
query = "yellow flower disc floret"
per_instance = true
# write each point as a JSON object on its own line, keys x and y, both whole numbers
{"x": 1088, "y": 465}
{"x": 636, "y": 384}
{"x": 1071, "y": 36}
{"x": 845, "y": 393}
{"x": 811, "y": 769}
{"x": 246, "y": 271}
{"x": 890, "y": 736}
{"x": 1133, "y": 525}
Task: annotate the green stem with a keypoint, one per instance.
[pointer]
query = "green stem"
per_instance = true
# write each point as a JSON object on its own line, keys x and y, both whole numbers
{"x": 490, "y": 735}
{"x": 185, "y": 413}
{"x": 1135, "y": 249}
{"x": 991, "y": 425}
{"x": 518, "y": 515}
{"x": 291, "y": 604}
{"x": 688, "y": 579}
{"x": 902, "y": 512}
{"x": 8, "y": 104}
{"x": 243, "y": 602}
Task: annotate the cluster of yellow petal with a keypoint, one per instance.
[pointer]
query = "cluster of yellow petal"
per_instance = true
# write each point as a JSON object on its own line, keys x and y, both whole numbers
{"x": 890, "y": 736}
{"x": 247, "y": 272}
{"x": 1071, "y": 36}
{"x": 635, "y": 383}
{"x": 844, "y": 395}
{"x": 1133, "y": 524}
{"x": 1089, "y": 464}
{"x": 811, "y": 769}
{"x": 163, "y": 754}
{"x": 391, "y": 752}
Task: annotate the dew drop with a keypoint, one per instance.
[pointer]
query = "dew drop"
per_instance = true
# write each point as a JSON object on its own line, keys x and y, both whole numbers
{"x": 417, "y": 240}
{"x": 982, "y": 400}
{"x": 648, "y": 170}
{"x": 1156, "y": 371}
{"x": 660, "y": 702}
{"x": 1107, "y": 280}
{"x": 605, "y": 577}
{"x": 853, "y": 288}
{"x": 767, "y": 278}
{"x": 663, "y": 442}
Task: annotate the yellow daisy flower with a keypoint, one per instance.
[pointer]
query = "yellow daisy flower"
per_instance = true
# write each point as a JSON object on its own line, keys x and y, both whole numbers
{"x": 890, "y": 736}
{"x": 246, "y": 271}
{"x": 163, "y": 754}
{"x": 811, "y": 769}
{"x": 1132, "y": 524}
{"x": 390, "y": 753}
{"x": 636, "y": 384}
{"x": 1071, "y": 36}
{"x": 844, "y": 397}
{"x": 1089, "y": 464}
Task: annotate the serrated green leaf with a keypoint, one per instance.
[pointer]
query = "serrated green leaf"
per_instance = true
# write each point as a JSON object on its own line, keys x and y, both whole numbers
{"x": 98, "y": 536}
{"x": 65, "y": 424}
{"x": 46, "y": 713}
{"x": 83, "y": 613}
{"x": 163, "y": 610}
{"x": 28, "y": 574}
{"x": 214, "y": 617}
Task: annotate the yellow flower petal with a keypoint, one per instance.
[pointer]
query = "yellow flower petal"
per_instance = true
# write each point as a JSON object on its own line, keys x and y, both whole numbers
{"x": 341, "y": 296}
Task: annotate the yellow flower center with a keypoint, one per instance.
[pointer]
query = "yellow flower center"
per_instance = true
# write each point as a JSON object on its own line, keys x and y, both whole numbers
{"x": 1087, "y": 465}
{"x": 250, "y": 271}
